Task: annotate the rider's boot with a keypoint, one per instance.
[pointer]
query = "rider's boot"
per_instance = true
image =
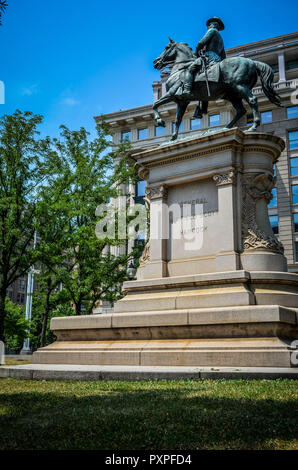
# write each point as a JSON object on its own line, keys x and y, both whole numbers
{"x": 187, "y": 86}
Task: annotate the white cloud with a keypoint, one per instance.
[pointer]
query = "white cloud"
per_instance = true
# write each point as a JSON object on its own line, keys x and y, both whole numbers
{"x": 70, "y": 102}
{"x": 31, "y": 90}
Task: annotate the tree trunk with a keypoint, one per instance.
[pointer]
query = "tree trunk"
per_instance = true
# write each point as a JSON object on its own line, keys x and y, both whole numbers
{"x": 46, "y": 314}
{"x": 2, "y": 313}
{"x": 78, "y": 308}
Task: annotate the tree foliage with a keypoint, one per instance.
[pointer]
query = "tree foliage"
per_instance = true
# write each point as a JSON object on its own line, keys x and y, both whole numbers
{"x": 71, "y": 254}
{"x": 52, "y": 188}
{"x": 3, "y": 6}
{"x": 25, "y": 163}
{"x": 16, "y": 327}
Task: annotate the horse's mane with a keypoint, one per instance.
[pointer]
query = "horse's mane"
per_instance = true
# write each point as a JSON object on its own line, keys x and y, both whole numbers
{"x": 189, "y": 49}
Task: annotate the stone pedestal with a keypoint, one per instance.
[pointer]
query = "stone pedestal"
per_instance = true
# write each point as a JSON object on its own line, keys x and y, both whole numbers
{"x": 212, "y": 287}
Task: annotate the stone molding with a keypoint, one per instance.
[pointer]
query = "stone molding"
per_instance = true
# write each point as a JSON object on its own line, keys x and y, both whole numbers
{"x": 190, "y": 156}
{"x": 233, "y": 147}
{"x": 234, "y": 140}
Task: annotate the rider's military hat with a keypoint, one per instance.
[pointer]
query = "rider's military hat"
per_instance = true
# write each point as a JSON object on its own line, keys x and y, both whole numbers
{"x": 217, "y": 20}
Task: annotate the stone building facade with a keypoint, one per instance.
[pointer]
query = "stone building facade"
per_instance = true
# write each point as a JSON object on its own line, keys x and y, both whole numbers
{"x": 281, "y": 53}
{"x": 17, "y": 292}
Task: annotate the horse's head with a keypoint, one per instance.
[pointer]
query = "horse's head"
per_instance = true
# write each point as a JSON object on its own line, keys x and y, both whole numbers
{"x": 167, "y": 57}
{"x": 174, "y": 51}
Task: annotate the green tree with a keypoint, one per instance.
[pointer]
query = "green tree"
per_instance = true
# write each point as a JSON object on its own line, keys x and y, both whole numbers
{"x": 45, "y": 306}
{"x": 25, "y": 162}
{"x": 15, "y": 327}
{"x": 71, "y": 254}
{"x": 3, "y": 6}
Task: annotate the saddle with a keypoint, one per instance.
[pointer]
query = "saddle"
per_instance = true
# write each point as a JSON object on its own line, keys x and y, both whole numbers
{"x": 213, "y": 74}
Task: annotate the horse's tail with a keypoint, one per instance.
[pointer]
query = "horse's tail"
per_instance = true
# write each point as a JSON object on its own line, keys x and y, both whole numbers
{"x": 266, "y": 75}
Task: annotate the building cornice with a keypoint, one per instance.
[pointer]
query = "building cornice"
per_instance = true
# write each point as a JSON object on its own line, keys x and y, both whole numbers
{"x": 279, "y": 41}
{"x": 123, "y": 113}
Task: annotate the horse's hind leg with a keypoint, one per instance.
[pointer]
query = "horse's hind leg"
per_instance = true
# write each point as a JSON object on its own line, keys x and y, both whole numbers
{"x": 247, "y": 94}
{"x": 240, "y": 111}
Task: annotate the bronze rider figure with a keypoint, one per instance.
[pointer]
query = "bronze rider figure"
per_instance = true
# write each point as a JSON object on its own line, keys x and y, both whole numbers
{"x": 213, "y": 50}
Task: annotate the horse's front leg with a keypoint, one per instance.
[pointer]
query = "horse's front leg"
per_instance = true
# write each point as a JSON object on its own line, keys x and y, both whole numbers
{"x": 181, "y": 108}
{"x": 163, "y": 100}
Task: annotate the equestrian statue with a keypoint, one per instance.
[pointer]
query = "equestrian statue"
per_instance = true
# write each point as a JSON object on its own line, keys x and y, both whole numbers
{"x": 207, "y": 75}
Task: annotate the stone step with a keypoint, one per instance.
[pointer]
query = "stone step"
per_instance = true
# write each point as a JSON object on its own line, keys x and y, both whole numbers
{"x": 235, "y": 352}
{"x": 134, "y": 373}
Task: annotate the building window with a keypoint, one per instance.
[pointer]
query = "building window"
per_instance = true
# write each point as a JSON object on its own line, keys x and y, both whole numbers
{"x": 10, "y": 294}
{"x": 22, "y": 285}
{"x": 249, "y": 119}
{"x": 180, "y": 127}
{"x": 140, "y": 188}
{"x": 126, "y": 136}
{"x": 214, "y": 120}
{"x": 274, "y": 223}
{"x": 293, "y": 140}
{"x": 274, "y": 68}
{"x": 140, "y": 192}
{"x": 295, "y": 222}
{"x": 296, "y": 252}
{"x": 291, "y": 64}
{"x": 273, "y": 202}
{"x": 195, "y": 124}
{"x": 142, "y": 134}
{"x": 266, "y": 116}
{"x": 20, "y": 298}
{"x": 159, "y": 131}
{"x": 295, "y": 193}
{"x": 294, "y": 166}
{"x": 292, "y": 112}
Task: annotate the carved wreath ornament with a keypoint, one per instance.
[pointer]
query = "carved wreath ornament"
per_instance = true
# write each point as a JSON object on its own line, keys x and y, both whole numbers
{"x": 254, "y": 188}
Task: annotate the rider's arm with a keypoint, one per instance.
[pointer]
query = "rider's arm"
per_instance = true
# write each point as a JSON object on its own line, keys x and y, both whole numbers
{"x": 205, "y": 40}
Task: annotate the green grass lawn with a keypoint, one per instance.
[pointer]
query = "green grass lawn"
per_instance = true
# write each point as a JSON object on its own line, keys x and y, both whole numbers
{"x": 180, "y": 415}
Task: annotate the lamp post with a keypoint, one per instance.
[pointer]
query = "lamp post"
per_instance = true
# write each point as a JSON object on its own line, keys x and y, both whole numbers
{"x": 30, "y": 288}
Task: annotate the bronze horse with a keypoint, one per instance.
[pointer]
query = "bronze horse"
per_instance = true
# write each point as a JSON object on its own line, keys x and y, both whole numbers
{"x": 237, "y": 77}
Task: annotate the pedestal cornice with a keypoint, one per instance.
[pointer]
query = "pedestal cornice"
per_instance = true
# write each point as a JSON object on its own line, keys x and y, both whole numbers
{"x": 204, "y": 145}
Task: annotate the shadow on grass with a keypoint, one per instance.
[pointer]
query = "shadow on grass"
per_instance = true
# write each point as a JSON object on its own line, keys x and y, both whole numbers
{"x": 144, "y": 419}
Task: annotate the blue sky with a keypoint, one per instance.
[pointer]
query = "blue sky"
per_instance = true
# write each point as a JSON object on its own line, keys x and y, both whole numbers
{"x": 71, "y": 60}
